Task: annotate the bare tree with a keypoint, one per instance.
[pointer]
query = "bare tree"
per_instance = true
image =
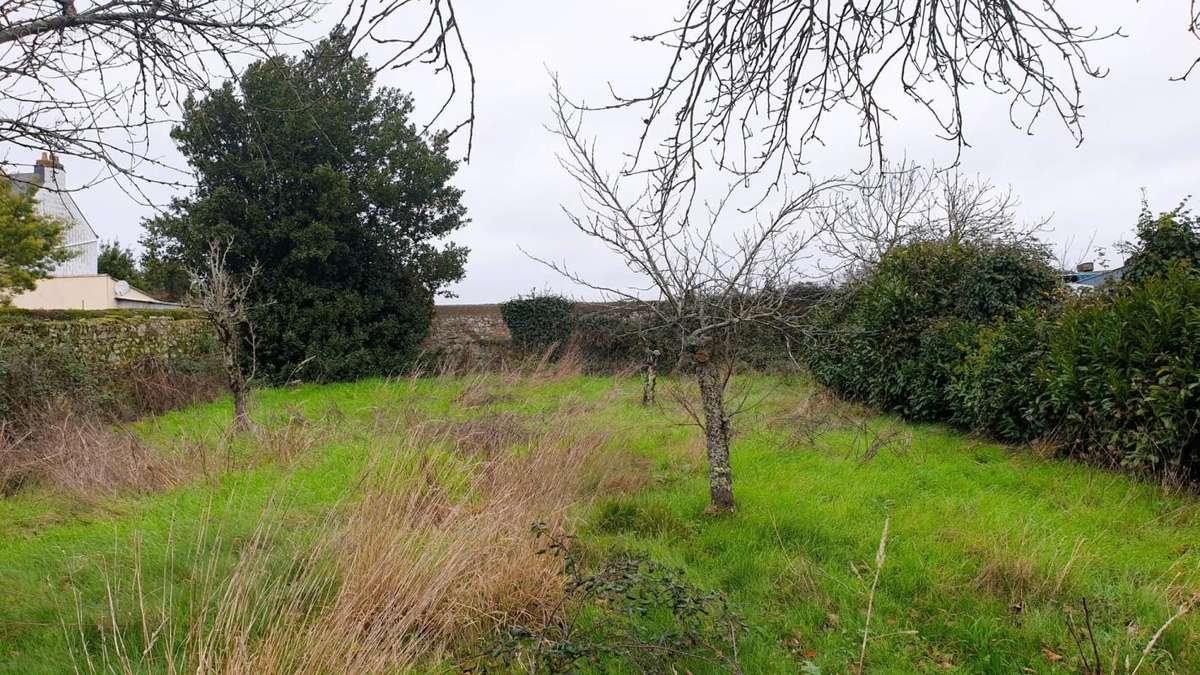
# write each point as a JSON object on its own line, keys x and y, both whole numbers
{"x": 752, "y": 81}
{"x": 905, "y": 203}
{"x": 93, "y": 80}
{"x": 222, "y": 298}
{"x": 884, "y": 210}
{"x": 702, "y": 284}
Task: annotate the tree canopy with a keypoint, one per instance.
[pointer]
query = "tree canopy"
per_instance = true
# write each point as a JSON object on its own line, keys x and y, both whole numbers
{"x": 118, "y": 262}
{"x": 30, "y": 243}
{"x": 314, "y": 174}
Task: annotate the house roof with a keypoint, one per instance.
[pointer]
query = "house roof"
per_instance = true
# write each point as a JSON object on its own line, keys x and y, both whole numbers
{"x": 1095, "y": 278}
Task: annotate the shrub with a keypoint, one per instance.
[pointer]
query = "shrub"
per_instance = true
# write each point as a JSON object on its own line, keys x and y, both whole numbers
{"x": 1123, "y": 376}
{"x": 923, "y": 383}
{"x": 998, "y": 384}
{"x": 538, "y": 321}
{"x": 1162, "y": 241}
{"x": 895, "y": 337}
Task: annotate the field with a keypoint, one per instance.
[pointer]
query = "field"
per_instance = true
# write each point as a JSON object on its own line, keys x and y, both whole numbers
{"x": 386, "y": 525}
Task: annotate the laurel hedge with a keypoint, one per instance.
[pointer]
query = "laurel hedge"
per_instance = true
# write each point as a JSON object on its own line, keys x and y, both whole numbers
{"x": 980, "y": 337}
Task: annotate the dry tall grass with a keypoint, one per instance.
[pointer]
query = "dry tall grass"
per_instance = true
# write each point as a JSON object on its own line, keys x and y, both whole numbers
{"x": 79, "y": 455}
{"x": 428, "y": 555}
{"x": 72, "y": 441}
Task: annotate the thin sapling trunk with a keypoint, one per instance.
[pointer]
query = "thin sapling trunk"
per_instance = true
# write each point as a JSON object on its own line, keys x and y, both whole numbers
{"x": 650, "y": 376}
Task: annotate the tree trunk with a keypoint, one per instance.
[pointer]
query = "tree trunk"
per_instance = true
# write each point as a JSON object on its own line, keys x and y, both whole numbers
{"x": 649, "y": 379}
{"x": 241, "y": 418}
{"x": 716, "y": 435}
{"x": 237, "y": 381}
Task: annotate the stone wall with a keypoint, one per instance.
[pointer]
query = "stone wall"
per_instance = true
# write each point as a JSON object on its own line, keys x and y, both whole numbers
{"x": 117, "y": 337}
{"x": 115, "y": 364}
{"x": 469, "y": 335}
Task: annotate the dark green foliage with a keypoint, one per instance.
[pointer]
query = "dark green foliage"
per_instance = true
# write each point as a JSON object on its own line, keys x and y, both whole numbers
{"x": 118, "y": 262}
{"x": 308, "y": 169}
{"x": 538, "y": 322}
{"x": 999, "y": 382}
{"x": 896, "y": 337}
{"x": 163, "y": 273}
{"x": 631, "y": 611}
{"x": 961, "y": 336}
{"x": 1162, "y": 241}
{"x": 1124, "y": 375}
{"x": 923, "y": 385}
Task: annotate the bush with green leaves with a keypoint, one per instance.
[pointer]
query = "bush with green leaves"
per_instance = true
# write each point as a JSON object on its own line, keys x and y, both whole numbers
{"x": 999, "y": 382}
{"x": 1163, "y": 241}
{"x": 896, "y": 336}
{"x": 1123, "y": 375}
{"x": 538, "y": 322}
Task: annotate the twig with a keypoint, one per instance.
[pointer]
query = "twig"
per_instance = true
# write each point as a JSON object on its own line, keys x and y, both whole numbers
{"x": 880, "y": 557}
{"x": 1183, "y": 609}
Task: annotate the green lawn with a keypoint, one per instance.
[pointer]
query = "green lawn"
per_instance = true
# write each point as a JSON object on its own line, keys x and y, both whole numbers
{"x": 991, "y": 550}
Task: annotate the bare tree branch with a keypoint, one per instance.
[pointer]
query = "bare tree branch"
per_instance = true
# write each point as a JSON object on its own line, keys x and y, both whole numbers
{"x": 904, "y": 203}
{"x": 223, "y": 299}
{"x": 94, "y": 81}
{"x": 701, "y": 282}
{"x": 752, "y": 81}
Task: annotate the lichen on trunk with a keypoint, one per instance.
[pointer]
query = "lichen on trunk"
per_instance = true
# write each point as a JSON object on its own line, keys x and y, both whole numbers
{"x": 649, "y": 378}
{"x": 716, "y": 434}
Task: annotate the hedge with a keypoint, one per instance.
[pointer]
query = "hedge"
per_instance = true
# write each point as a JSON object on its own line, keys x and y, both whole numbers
{"x": 538, "y": 321}
{"x": 19, "y": 315}
{"x": 978, "y": 339}
{"x": 1122, "y": 375}
{"x": 115, "y": 365}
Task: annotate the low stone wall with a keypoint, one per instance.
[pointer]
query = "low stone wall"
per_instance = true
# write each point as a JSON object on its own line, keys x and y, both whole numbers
{"x": 472, "y": 336}
{"x": 118, "y": 364}
{"x": 112, "y": 337}
{"x": 462, "y": 324}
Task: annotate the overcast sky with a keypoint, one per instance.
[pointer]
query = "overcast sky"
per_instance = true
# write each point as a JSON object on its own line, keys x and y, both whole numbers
{"x": 1142, "y": 131}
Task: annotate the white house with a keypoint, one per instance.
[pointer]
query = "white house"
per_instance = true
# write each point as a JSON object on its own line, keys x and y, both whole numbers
{"x": 76, "y": 283}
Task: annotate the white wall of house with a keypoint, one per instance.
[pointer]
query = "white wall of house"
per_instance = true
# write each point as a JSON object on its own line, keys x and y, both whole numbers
{"x": 96, "y": 291}
{"x": 54, "y": 200}
{"x": 76, "y": 283}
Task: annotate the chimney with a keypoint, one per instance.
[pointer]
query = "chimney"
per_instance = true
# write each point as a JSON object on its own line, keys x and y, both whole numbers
{"x": 1085, "y": 267}
{"x": 48, "y": 161}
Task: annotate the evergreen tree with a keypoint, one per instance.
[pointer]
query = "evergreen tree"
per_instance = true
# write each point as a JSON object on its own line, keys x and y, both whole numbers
{"x": 118, "y": 262}
{"x": 313, "y": 173}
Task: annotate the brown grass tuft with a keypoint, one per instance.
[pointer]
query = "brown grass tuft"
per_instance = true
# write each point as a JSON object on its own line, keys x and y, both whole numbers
{"x": 1008, "y": 571}
{"x": 485, "y": 436}
{"x": 82, "y": 457}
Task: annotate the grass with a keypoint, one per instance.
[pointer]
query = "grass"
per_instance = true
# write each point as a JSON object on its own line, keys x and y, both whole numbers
{"x": 991, "y": 553}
